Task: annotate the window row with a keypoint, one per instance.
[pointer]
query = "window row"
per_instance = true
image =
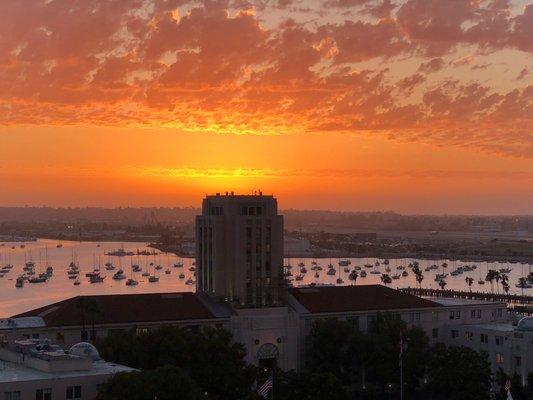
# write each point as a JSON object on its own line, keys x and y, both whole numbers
{"x": 251, "y": 210}
{"x": 483, "y": 337}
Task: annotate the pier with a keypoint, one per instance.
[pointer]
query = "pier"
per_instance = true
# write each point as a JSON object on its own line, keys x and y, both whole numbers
{"x": 466, "y": 294}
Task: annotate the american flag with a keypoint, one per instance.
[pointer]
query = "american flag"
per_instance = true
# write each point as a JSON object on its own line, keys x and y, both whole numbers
{"x": 265, "y": 388}
{"x": 508, "y": 389}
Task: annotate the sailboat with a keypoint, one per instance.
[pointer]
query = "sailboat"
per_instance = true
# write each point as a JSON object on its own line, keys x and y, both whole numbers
{"x": 340, "y": 281}
{"x": 481, "y": 281}
{"x": 153, "y": 278}
{"x": 131, "y": 281}
{"x": 49, "y": 269}
{"x": 109, "y": 265}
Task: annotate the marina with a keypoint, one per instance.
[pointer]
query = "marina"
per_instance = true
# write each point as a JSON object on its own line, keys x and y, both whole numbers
{"x": 40, "y": 271}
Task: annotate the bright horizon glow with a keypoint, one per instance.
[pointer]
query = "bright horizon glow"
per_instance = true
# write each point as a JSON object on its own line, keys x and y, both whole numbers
{"x": 360, "y": 105}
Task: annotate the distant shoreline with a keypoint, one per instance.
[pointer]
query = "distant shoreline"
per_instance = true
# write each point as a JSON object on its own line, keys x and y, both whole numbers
{"x": 379, "y": 255}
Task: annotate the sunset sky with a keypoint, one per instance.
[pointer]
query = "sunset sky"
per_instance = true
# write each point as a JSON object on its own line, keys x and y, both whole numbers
{"x": 416, "y": 106}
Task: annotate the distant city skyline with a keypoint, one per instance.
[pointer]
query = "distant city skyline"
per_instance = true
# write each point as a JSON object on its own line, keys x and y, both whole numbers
{"x": 414, "y": 106}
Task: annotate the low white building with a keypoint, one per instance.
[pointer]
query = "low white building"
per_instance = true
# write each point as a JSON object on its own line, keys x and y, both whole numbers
{"x": 34, "y": 369}
{"x": 509, "y": 345}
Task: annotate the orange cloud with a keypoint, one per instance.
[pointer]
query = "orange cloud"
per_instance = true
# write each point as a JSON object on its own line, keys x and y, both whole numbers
{"x": 230, "y": 67}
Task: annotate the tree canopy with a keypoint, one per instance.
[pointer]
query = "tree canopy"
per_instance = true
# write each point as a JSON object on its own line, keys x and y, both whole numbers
{"x": 208, "y": 356}
{"x": 165, "y": 383}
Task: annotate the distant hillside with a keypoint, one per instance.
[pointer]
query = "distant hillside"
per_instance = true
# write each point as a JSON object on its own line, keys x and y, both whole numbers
{"x": 307, "y": 220}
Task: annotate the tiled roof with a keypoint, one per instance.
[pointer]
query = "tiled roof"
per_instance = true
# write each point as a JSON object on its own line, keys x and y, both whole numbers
{"x": 122, "y": 308}
{"x": 331, "y": 299}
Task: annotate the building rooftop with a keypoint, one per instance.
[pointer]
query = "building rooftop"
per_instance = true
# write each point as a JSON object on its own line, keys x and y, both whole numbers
{"x": 123, "y": 308}
{"x": 29, "y": 360}
{"x": 331, "y": 299}
{"x": 495, "y": 326}
{"x": 14, "y": 372}
{"x": 256, "y": 195}
{"x": 20, "y": 323}
{"x": 450, "y": 301}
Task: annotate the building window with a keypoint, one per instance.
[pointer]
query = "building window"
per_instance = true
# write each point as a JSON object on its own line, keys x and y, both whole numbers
{"x": 414, "y": 317}
{"x": 251, "y": 211}
{"x": 469, "y": 335}
{"x": 12, "y": 395}
{"x": 455, "y": 314}
{"x": 244, "y": 210}
{"x": 499, "y": 358}
{"x": 217, "y": 211}
{"x": 73, "y": 392}
{"x": 435, "y": 333}
{"x": 500, "y": 312}
{"x": 84, "y": 336}
{"x": 35, "y": 336}
{"x": 259, "y": 211}
{"x": 517, "y": 361}
{"x": 43, "y": 394}
{"x": 498, "y": 340}
{"x": 435, "y": 315}
{"x": 455, "y": 334}
{"x": 142, "y": 331}
{"x": 478, "y": 314}
{"x": 484, "y": 338}
{"x": 355, "y": 322}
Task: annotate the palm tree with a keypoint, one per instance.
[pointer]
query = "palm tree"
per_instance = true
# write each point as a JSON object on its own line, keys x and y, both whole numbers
{"x": 497, "y": 277}
{"x": 505, "y": 287}
{"x": 469, "y": 281}
{"x": 386, "y": 279}
{"x": 419, "y": 278}
{"x": 522, "y": 282}
{"x": 94, "y": 309}
{"x": 442, "y": 284}
{"x": 490, "y": 278}
{"x": 81, "y": 304}
{"x": 504, "y": 278}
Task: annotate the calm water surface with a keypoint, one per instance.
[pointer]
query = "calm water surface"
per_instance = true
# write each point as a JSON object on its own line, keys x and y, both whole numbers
{"x": 15, "y": 300}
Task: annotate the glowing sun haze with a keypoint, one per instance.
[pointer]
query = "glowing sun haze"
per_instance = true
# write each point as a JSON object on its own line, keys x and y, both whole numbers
{"x": 418, "y": 106}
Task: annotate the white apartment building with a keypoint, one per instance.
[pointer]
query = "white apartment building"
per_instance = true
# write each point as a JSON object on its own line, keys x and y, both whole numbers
{"x": 509, "y": 345}
{"x": 34, "y": 369}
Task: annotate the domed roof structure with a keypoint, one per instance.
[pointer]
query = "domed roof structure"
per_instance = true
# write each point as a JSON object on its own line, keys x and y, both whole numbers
{"x": 85, "y": 350}
{"x": 525, "y": 324}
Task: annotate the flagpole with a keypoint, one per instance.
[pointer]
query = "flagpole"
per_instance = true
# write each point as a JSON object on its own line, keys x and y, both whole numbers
{"x": 401, "y": 378}
{"x": 401, "y": 366}
{"x": 272, "y": 374}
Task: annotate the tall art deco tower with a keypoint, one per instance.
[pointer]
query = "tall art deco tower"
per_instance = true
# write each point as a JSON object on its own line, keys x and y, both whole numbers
{"x": 239, "y": 249}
